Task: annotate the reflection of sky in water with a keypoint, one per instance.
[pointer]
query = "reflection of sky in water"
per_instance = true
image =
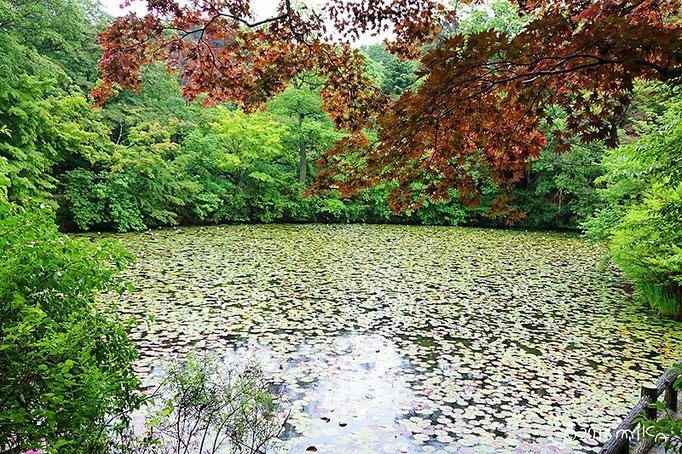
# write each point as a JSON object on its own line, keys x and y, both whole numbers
{"x": 390, "y": 338}
{"x": 346, "y": 398}
{"x": 350, "y": 394}
{"x": 356, "y": 403}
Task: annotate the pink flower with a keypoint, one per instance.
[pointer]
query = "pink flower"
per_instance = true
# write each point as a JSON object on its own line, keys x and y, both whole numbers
{"x": 32, "y": 452}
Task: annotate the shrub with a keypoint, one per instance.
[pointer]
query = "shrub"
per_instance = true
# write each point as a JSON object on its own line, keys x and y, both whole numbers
{"x": 100, "y": 200}
{"x": 647, "y": 244}
{"x": 65, "y": 366}
{"x": 647, "y": 240}
{"x": 205, "y": 405}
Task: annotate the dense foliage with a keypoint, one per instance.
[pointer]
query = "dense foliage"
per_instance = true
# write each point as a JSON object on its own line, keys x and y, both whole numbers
{"x": 65, "y": 366}
{"x": 540, "y": 113}
{"x": 495, "y": 95}
{"x": 484, "y": 102}
{"x": 641, "y": 209}
{"x": 151, "y": 158}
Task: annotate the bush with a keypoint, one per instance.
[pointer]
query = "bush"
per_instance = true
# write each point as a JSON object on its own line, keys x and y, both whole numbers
{"x": 208, "y": 406}
{"x": 65, "y": 366}
{"x": 100, "y": 201}
{"x": 647, "y": 241}
{"x": 647, "y": 244}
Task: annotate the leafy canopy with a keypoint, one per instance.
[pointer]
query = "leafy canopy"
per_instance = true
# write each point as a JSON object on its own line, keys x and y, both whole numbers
{"x": 481, "y": 108}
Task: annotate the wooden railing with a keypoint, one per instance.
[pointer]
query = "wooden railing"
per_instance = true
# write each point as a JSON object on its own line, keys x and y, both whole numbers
{"x": 619, "y": 443}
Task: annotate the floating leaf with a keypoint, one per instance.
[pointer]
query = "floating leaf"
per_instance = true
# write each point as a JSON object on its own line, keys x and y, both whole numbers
{"x": 462, "y": 338}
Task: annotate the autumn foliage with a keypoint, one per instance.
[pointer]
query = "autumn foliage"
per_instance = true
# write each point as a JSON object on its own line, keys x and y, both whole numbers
{"x": 481, "y": 109}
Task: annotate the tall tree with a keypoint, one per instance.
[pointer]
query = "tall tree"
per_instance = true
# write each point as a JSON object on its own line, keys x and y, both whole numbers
{"x": 308, "y": 128}
{"x": 49, "y": 37}
{"x": 48, "y": 55}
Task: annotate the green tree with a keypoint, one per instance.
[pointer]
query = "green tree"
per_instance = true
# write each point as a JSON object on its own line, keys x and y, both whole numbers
{"x": 392, "y": 74}
{"x": 642, "y": 210}
{"x": 51, "y": 37}
{"x": 252, "y": 153}
{"x": 142, "y": 185}
{"x": 46, "y": 127}
{"x": 158, "y": 101}
{"x": 309, "y": 130}
{"x": 500, "y": 15}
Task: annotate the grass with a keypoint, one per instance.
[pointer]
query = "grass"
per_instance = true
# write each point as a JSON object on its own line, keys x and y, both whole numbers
{"x": 659, "y": 297}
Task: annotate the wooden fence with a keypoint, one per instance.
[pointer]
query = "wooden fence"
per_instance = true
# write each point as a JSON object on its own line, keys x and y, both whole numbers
{"x": 621, "y": 437}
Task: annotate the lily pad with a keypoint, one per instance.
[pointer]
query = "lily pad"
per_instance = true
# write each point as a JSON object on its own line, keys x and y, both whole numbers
{"x": 399, "y": 339}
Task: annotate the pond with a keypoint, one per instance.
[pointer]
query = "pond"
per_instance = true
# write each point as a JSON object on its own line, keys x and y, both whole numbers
{"x": 404, "y": 339}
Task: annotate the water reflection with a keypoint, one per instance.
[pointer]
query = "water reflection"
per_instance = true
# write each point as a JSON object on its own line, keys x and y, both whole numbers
{"x": 416, "y": 339}
{"x": 355, "y": 398}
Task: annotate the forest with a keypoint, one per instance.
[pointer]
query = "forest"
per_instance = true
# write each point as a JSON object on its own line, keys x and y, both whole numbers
{"x": 197, "y": 115}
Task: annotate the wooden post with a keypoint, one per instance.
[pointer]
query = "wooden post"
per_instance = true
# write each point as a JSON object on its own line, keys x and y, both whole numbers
{"x": 671, "y": 397}
{"x": 651, "y": 392}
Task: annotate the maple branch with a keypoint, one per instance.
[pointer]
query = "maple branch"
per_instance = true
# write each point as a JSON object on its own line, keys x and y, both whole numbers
{"x": 633, "y": 7}
{"x": 248, "y": 24}
{"x": 532, "y": 75}
{"x": 667, "y": 73}
{"x": 525, "y": 114}
{"x": 254, "y": 24}
{"x": 528, "y": 76}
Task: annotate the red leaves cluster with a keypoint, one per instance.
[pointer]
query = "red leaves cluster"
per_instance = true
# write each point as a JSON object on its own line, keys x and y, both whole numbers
{"x": 482, "y": 102}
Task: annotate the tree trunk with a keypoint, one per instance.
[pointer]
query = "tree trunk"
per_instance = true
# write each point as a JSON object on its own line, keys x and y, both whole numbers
{"x": 303, "y": 171}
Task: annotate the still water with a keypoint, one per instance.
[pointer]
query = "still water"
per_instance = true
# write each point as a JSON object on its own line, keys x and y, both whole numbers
{"x": 397, "y": 339}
